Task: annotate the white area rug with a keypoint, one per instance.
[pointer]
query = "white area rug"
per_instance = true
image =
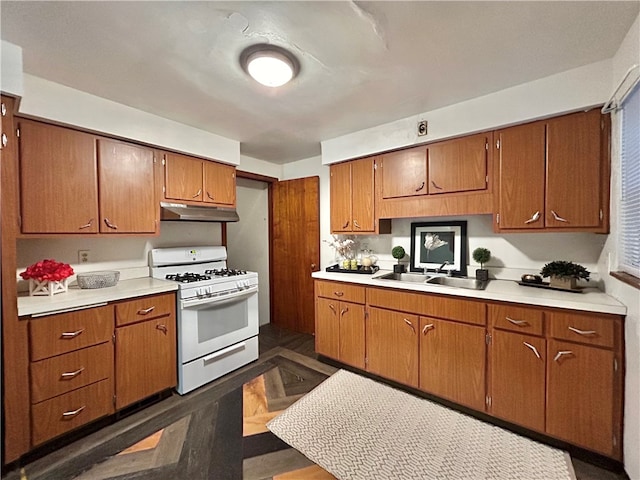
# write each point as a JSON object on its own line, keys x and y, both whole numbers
{"x": 357, "y": 428}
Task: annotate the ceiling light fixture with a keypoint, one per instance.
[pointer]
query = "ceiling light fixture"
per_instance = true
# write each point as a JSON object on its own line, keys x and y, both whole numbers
{"x": 269, "y": 65}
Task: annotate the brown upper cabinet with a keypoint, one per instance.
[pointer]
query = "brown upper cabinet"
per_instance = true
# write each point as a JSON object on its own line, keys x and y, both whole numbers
{"x": 195, "y": 180}
{"x": 352, "y": 198}
{"x": 403, "y": 173}
{"x": 554, "y": 174}
{"x": 75, "y": 182}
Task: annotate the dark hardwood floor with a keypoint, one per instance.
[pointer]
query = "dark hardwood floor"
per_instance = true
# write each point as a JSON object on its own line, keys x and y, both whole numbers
{"x": 117, "y": 436}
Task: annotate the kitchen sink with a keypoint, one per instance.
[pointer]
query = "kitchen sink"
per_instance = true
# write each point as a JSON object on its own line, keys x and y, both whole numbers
{"x": 405, "y": 277}
{"x": 459, "y": 282}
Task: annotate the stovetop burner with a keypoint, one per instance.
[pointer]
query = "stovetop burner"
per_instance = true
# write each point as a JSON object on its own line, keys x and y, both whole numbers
{"x": 187, "y": 277}
{"x": 225, "y": 272}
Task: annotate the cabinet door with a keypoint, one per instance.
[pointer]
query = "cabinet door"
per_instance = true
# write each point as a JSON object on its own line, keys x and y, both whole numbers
{"x": 392, "y": 345}
{"x": 362, "y": 193}
{"x": 127, "y": 188}
{"x": 518, "y": 378}
{"x": 521, "y": 176}
{"x": 352, "y": 334}
{"x": 452, "y": 361}
{"x": 404, "y": 173}
{"x": 182, "y": 178}
{"x": 219, "y": 183}
{"x": 574, "y": 171}
{"x": 340, "y": 197}
{"x": 145, "y": 359}
{"x": 328, "y": 327}
{"x": 58, "y": 180}
{"x": 458, "y": 165}
{"x": 580, "y": 386}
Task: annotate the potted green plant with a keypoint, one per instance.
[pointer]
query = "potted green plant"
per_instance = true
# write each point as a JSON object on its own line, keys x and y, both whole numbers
{"x": 482, "y": 256}
{"x": 398, "y": 253}
{"x": 564, "y": 274}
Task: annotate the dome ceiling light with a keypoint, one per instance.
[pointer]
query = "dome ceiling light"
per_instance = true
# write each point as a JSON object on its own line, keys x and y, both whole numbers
{"x": 269, "y": 65}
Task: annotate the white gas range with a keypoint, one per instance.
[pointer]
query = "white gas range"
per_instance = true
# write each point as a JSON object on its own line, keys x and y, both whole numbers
{"x": 217, "y": 312}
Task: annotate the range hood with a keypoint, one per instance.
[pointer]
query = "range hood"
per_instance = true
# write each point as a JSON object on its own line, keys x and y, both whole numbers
{"x": 192, "y": 213}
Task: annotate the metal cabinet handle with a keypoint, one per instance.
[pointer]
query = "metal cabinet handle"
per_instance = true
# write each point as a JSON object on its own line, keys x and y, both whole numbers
{"x": 73, "y": 413}
{"x": 70, "y": 375}
{"x": 561, "y": 354}
{"x": 70, "y": 335}
{"x": 146, "y": 311}
{"x": 197, "y": 194}
{"x": 313, "y": 267}
{"x": 410, "y": 324}
{"x": 582, "y": 332}
{"x": 558, "y": 217}
{"x": 162, "y": 328}
{"x": 435, "y": 185}
{"x": 333, "y": 309}
{"x": 355, "y": 224}
{"x": 344, "y": 310}
{"x": 338, "y": 294}
{"x": 346, "y": 224}
{"x": 86, "y": 225}
{"x": 420, "y": 187}
{"x": 109, "y": 224}
{"x": 534, "y": 349}
{"x": 209, "y": 196}
{"x": 520, "y": 323}
{"x": 5, "y": 140}
{"x": 4, "y": 109}
{"x": 426, "y": 328}
{"x": 533, "y": 218}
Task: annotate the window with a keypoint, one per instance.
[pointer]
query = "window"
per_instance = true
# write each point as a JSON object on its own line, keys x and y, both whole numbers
{"x": 629, "y": 239}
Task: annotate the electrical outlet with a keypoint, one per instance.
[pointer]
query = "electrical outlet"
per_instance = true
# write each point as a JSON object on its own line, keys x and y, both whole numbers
{"x": 422, "y": 128}
{"x": 84, "y": 256}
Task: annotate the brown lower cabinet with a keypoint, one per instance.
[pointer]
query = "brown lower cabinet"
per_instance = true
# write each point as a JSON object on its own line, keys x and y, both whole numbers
{"x": 76, "y": 374}
{"x": 553, "y": 371}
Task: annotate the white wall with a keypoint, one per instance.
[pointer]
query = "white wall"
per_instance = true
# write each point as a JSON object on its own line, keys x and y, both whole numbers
{"x": 53, "y": 101}
{"x": 260, "y": 167}
{"x": 248, "y": 239}
{"x": 11, "y": 77}
{"x": 628, "y": 54}
{"x": 564, "y": 92}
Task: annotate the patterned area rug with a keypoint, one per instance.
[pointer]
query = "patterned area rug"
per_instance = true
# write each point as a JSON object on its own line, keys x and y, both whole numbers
{"x": 356, "y": 428}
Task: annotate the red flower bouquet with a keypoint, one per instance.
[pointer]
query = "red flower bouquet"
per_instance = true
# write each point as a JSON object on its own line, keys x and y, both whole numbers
{"x": 47, "y": 277}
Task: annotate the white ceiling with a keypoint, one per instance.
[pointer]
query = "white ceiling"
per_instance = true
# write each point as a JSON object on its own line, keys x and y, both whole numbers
{"x": 362, "y": 63}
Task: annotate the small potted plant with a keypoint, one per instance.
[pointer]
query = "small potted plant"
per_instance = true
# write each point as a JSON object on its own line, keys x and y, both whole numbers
{"x": 398, "y": 253}
{"x": 482, "y": 256}
{"x": 564, "y": 274}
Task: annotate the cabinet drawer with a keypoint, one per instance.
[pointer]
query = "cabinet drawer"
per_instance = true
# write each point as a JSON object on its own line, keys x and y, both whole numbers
{"x": 66, "y": 412}
{"x": 584, "y": 328}
{"x": 340, "y": 291}
{"x": 61, "y": 374}
{"x": 66, "y": 332}
{"x": 517, "y": 319}
{"x": 145, "y": 308}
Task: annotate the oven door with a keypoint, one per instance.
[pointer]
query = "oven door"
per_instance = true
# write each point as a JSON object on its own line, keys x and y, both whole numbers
{"x": 210, "y": 324}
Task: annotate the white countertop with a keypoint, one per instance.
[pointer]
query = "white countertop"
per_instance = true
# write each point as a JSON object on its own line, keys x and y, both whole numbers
{"x": 80, "y": 298}
{"x": 590, "y": 300}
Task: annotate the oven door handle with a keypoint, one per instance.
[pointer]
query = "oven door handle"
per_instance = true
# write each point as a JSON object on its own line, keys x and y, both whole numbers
{"x": 232, "y": 297}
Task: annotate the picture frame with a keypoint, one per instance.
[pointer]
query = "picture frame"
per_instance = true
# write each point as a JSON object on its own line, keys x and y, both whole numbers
{"x": 433, "y": 243}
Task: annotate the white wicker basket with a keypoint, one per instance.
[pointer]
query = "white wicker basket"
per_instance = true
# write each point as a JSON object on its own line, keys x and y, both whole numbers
{"x": 98, "y": 279}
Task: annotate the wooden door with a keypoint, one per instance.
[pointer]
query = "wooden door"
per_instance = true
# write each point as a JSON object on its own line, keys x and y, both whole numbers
{"x": 452, "y": 361}
{"x": 340, "y": 197}
{"x": 574, "y": 171}
{"x": 404, "y": 173}
{"x": 458, "y": 165}
{"x": 328, "y": 327}
{"x": 362, "y": 195}
{"x": 352, "y": 346}
{"x": 392, "y": 345}
{"x": 219, "y": 183}
{"x": 521, "y": 176}
{"x": 58, "y": 180}
{"x": 580, "y": 388}
{"x": 182, "y": 178}
{"x": 518, "y": 378}
{"x": 295, "y": 251}
{"x": 145, "y": 360}
{"x": 127, "y": 188}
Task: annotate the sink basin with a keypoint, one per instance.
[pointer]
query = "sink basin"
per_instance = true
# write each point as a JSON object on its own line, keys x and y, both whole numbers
{"x": 405, "y": 277}
{"x": 470, "y": 283}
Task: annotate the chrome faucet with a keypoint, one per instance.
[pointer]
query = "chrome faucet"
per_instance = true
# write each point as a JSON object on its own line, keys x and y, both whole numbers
{"x": 440, "y": 268}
